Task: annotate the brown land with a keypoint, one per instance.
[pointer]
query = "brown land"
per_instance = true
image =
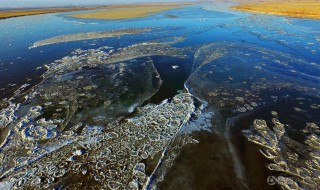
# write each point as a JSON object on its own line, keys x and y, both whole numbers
{"x": 298, "y": 9}
{"x": 26, "y": 12}
{"x": 131, "y": 11}
{"x": 141, "y": 9}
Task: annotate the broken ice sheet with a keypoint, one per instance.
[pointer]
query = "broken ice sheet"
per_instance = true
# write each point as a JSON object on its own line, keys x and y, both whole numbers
{"x": 69, "y": 99}
{"x": 108, "y": 157}
{"x": 241, "y": 76}
{"x": 88, "y": 36}
{"x": 85, "y": 95}
{"x": 297, "y": 162}
{"x": 151, "y": 48}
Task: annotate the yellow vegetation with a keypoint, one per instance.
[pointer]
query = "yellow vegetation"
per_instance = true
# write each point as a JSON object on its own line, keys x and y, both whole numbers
{"x": 26, "y": 12}
{"x": 134, "y": 11}
{"x": 114, "y": 11}
{"x": 299, "y": 9}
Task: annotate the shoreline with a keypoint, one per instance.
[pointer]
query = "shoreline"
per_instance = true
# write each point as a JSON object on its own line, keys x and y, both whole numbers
{"x": 293, "y": 9}
{"x": 11, "y": 13}
{"x": 136, "y": 11}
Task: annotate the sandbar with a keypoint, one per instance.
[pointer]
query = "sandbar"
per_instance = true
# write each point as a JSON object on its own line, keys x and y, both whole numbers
{"x": 26, "y": 12}
{"x": 131, "y": 11}
{"x": 138, "y": 10}
{"x": 297, "y": 9}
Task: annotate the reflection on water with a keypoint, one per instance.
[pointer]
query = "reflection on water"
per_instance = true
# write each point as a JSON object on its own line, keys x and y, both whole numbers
{"x": 209, "y": 98}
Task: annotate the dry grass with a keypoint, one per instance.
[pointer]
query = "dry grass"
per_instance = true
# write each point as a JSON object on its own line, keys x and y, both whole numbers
{"x": 299, "y": 9}
{"x": 26, "y": 12}
{"x": 133, "y": 11}
{"x": 115, "y": 11}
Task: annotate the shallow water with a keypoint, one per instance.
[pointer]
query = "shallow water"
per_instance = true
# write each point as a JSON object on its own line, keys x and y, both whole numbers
{"x": 239, "y": 67}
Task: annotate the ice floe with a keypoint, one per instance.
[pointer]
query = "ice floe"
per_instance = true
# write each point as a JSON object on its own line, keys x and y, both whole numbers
{"x": 88, "y": 36}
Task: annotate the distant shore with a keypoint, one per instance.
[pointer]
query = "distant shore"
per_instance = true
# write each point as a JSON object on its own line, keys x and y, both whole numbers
{"x": 130, "y": 11}
{"x": 140, "y": 9}
{"x": 297, "y": 9}
{"x": 36, "y": 11}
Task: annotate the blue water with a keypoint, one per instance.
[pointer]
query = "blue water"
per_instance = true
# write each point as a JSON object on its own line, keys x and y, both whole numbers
{"x": 246, "y": 41}
{"x": 199, "y": 23}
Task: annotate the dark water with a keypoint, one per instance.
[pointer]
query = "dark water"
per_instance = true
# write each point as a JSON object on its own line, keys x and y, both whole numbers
{"x": 242, "y": 66}
{"x": 173, "y": 79}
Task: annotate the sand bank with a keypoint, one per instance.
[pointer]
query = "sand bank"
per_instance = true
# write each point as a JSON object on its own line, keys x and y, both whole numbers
{"x": 25, "y": 12}
{"x": 129, "y": 11}
{"x": 298, "y": 9}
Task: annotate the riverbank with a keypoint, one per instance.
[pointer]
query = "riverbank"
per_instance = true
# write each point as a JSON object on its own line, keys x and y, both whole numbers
{"x": 26, "y": 12}
{"x": 297, "y": 9}
{"x": 130, "y": 10}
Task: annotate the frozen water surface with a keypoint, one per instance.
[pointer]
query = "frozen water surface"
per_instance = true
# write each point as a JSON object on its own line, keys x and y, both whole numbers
{"x": 200, "y": 97}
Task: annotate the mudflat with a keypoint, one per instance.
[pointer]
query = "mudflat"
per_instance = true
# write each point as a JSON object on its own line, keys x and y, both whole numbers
{"x": 298, "y": 9}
